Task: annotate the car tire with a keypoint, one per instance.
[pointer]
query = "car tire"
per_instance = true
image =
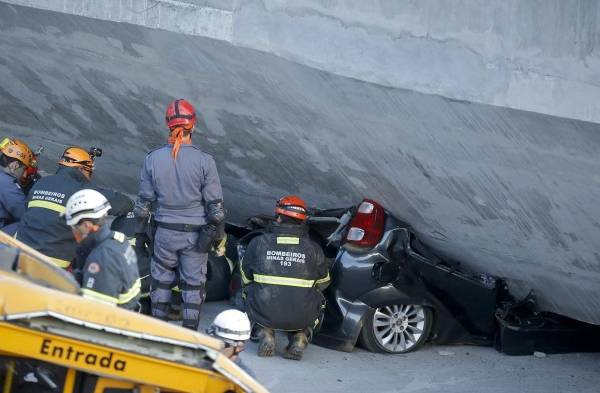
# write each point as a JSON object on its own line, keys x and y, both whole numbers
{"x": 396, "y": 328}
{"x": 217, "y": 278}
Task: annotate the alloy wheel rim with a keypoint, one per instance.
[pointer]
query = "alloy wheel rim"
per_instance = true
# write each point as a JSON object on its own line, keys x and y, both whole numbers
{"x": 398, "y": 328}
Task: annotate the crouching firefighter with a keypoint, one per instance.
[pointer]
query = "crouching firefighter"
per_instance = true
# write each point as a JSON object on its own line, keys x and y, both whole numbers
{"x": 109, "y": 270}
{"x": 182, "y": 183}
{"x": 15, "y": 158}
{"x": 284, "y": 273}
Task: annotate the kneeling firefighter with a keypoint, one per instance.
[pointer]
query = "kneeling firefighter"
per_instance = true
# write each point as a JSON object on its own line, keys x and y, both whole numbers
{"x": 284, "y": 273}
{"x": 42, "y": 227}
{"x": 182, "y": 183}
{"x": 109, "y": 265}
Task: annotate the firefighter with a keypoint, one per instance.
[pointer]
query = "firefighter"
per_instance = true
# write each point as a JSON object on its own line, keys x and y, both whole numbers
{"x": 41, "y": 226}
{"x": 233, "y": 327}
{"x": 183, "y": 184}
{"x": 15, "y": 158}
{"x": 109, "y": 265}
{"x": 284, "y": 273}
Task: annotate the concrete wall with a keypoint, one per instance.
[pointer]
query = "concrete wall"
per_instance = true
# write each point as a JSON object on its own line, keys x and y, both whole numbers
{"x": 538, "y": 55}
{"x": 207, "y": 18}
{"x": 508, "y": 192}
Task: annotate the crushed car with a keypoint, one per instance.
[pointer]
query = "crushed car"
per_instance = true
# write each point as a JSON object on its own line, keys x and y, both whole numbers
{"x": 392, "y": 293}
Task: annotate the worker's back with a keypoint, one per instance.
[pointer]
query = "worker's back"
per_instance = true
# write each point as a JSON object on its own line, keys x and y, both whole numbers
{"x": 181, "y": 187}
{"x": 42, "y": 227}
{"x": 286, "y": 267}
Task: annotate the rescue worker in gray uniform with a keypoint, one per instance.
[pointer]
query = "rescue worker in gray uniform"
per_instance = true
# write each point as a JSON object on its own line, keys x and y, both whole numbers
{"x": 183, "y": 184}
{"x": 15, "y": 158}
{"x": 109, "y": 264}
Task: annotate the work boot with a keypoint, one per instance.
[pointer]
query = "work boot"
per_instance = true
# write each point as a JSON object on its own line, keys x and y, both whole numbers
{"x": 266, "y": 345}
{"x": 297, "y": 344}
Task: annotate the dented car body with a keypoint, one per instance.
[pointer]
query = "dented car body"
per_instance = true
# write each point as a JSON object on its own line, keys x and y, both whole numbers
{"x": 392, "y": 293}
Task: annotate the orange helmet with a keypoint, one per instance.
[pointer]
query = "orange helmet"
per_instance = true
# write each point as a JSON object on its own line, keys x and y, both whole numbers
{"x": 180, "y": 113}
{"x": 292, "y": 206}
{"x": 76, "y": 157}
{"x": 17, "y": 149}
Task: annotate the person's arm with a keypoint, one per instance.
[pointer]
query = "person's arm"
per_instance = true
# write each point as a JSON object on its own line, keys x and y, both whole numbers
{"x": 211, "y": 189}
{"x": 14, "y": 201}
{"x": 322, "y": 268}
{"x": 120, "y": 204}
{"x": 247, "y": 261}
{"x": 212, "y": 194}
{"x": 146, "y": 194}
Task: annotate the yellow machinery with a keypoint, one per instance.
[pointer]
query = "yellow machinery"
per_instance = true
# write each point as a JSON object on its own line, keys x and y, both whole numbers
{"x": 86, "y": 346}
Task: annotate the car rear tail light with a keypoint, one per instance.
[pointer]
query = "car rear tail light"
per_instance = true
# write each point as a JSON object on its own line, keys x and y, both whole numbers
{"x": 366, "y": 227}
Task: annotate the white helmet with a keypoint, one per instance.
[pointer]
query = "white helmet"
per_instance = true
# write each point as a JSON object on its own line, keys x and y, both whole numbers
{"x": 85, "y": 204}
{"x": 231, "y": 325}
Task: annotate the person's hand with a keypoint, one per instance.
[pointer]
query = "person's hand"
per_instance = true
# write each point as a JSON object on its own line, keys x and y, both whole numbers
{"x": 220, "y": 248}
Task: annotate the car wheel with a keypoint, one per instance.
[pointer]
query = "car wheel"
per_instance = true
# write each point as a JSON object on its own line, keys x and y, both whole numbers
{"x": 217, "y": 278}
{"x": 396, "y": 329}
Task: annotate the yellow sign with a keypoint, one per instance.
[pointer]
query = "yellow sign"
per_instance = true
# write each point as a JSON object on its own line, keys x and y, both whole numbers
{"x": 60, "y": 351}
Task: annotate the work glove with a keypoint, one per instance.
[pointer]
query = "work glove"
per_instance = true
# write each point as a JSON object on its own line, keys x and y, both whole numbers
{"x": 221, "y": 246}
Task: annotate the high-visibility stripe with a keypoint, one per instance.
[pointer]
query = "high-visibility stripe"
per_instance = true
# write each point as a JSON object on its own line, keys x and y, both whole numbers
{"x": 288, "y": 240}
{"x": 245, "y": 280}
{"x": 47, "y": 205}
{"x": 99, "y": 296}
{"x": 122, "y": 299}
{"x": 323, "y": 280}
{"x": 119, "y": 236}
{"x": 127, "y": 296}
{"x": 287, "y": 281}
{"x": 60, "y": 262}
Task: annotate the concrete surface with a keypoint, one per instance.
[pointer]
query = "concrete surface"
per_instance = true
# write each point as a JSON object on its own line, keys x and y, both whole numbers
{"x": 507, "y": 192}
{"x": 458, "y": 369}
{"x": 537, "y": 55}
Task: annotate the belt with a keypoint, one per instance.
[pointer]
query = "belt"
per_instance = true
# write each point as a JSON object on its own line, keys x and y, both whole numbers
{"x": 179, "y": 227}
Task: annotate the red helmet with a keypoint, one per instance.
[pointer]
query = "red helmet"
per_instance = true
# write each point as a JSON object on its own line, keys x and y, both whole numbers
{"x": 180, "y": 113}
{"x": 292, "y": 206}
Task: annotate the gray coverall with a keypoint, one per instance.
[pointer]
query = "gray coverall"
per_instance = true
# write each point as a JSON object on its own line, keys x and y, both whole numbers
{"x": 181, "y": 192}
{"x": 12, "y": 203}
